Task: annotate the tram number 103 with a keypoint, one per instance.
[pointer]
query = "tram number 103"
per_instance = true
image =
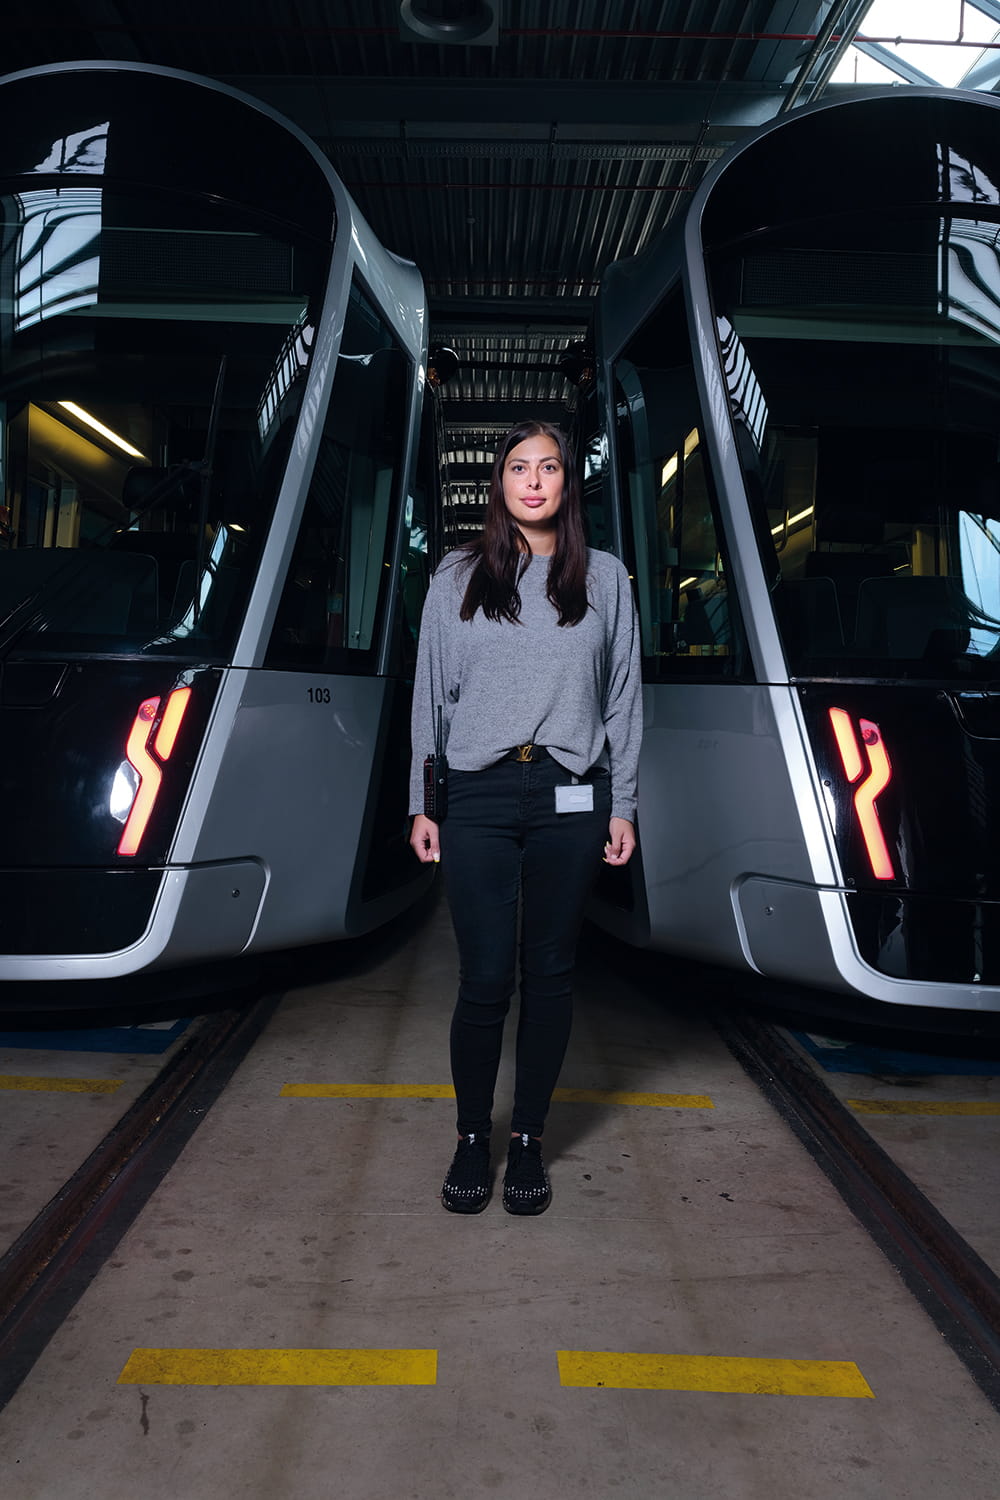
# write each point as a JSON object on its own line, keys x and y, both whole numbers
{"x": 318, "y": 695}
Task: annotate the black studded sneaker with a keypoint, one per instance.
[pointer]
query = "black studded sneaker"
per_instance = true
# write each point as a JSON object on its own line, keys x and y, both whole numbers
{"x": 466, "y": 1188}
{"x": 526, "y": 1183}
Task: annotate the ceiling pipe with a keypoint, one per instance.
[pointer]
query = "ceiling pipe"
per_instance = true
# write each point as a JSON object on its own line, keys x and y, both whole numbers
{"x": 822, "y": 40}
{"x": 250, "y": 28}
{"x": 844, "y": 45}
{"x": 358, "y": 185}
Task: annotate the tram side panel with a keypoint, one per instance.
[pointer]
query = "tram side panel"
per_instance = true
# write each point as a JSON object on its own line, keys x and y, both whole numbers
{"x": 718, "y": 798}
{"x": 311, "y": 774}
{"x": 295, "y": 780}
{"x": 719, "y": 806}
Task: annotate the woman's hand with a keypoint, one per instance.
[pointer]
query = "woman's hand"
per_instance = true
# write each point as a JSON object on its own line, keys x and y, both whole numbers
{"x": 621, "y": 843}
{"x": 425, "y": 841}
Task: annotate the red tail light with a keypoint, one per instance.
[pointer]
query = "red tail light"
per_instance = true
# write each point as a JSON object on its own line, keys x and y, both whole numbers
{"x": 878, "y": 778}
{"x": 146, "y": 760}
{"x": 171, "y": 722}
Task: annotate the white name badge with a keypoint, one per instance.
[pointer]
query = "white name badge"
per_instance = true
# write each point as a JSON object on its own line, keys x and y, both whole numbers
{"x": 575, "y": 798}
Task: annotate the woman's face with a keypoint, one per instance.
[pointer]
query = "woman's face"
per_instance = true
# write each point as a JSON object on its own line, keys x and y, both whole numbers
{"x": 533, "y": 487}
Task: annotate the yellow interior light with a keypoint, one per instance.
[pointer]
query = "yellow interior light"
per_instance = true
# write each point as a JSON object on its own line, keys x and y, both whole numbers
{"x": 669, "y": 470}
{"x": 802, "y": 515}
{"x": 105, "y": 432}
{"x": 670, "y": 467}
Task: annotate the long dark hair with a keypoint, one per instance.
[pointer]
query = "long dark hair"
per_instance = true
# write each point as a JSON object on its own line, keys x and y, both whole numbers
{"x": 498, "y": 557}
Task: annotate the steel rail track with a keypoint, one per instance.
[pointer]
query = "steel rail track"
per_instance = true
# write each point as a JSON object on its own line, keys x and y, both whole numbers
{"x": 51, "y": 1264}
{"x": 956, "y": 1287}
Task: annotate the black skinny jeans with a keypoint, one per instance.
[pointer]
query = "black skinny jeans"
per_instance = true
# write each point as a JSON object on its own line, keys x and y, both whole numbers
{"x": 503, "y": 837}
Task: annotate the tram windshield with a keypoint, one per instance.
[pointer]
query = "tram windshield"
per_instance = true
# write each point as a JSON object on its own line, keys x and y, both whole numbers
{"x": 153, "y": 353}
{"x": 862, "y": 355}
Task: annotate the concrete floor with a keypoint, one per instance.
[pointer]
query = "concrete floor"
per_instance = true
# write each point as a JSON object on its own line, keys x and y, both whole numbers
{"x": 953, "y": 1157}
{"x": 48, "y": 1131}
{"x": 298, "y": 1223}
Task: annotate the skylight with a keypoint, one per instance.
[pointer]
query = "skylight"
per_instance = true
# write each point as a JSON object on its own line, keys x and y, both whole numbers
{"x": 941, "y": 42}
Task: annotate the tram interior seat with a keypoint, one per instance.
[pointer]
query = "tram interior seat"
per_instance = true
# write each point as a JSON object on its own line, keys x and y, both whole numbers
{"x": 169, "y": 549}
{"x": 856, "y": 532}
{"x": 810, "y": 615}
{"x": 705, "y": 615}
{"x": 913, "y": 618}
{"x": 90, "y": 592}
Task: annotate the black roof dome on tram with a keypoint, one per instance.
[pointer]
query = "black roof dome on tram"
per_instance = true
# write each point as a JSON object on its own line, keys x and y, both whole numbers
{"x": 105, "y": 125}
{"x": 906, "y": 149}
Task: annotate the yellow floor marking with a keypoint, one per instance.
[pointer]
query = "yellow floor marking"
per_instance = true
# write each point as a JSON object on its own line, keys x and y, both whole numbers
{"x": 445, "y": 1091}
{"x": 716, "y": 1373}
{"x": 623, "y": 1096}
{"x": 367, "y": 1091}
{"x": 280, "y": 1367}
{"x": 61, "y": 1085}
{"x": 922, "y": 1107}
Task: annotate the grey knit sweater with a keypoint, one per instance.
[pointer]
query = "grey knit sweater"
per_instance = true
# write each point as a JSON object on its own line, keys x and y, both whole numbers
{"x": 576, "y": 689}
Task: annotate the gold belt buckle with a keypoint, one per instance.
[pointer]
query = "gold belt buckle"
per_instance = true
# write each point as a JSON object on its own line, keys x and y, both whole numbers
{"x": 523, "y": 753}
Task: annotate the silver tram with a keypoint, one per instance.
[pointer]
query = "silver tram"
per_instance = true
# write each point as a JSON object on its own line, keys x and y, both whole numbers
{"x": 795, "y": 445}
{"x": 214, "y": 523}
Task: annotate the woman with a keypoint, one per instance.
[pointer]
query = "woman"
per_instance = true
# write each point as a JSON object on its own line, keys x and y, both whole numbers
{"x": 529, "y": 647}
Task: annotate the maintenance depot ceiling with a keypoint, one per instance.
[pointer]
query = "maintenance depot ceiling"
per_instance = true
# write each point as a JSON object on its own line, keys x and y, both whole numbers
{"x": 514, "y": 148}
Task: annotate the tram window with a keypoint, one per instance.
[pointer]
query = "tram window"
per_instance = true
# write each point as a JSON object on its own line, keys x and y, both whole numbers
{"x": 106, "y": 568}
{"x": 874, "y": 561}
{"x": 686, "y": 611}
{"x": 874, "y": 478}
{"x": 336, "y": 587}
{"x": 153, "y": 357}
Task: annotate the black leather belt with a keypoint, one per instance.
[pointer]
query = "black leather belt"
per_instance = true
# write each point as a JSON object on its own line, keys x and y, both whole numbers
{"x": 525, "y": 753}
